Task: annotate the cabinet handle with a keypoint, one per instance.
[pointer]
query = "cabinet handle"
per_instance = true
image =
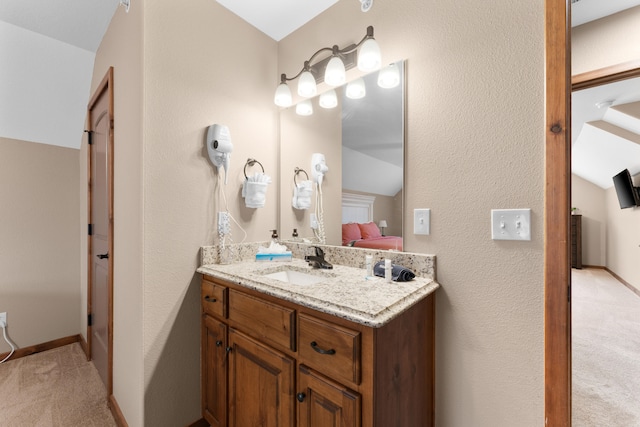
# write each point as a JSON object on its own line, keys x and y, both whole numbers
{"x": 209, "y": 299}
{"x": 218, "y": 343}
{"x": 228, "y": 349}
{"x": 314, "y": 345}
{"x": 300, "y": 397}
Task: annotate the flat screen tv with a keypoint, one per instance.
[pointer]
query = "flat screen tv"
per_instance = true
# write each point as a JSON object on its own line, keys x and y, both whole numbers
{"x": 627, "y": 194}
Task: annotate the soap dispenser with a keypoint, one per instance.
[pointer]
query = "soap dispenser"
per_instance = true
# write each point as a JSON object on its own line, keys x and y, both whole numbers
{"x": 274, "y": 236}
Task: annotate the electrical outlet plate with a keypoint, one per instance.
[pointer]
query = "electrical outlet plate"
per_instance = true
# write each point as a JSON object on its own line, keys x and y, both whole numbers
{"x": 3, "y": 317}
{"x": 313, "y": 220}
{"x": 224, "y": 223}
{"x": 421, "y": 221}
{"x": 511, "y": 224}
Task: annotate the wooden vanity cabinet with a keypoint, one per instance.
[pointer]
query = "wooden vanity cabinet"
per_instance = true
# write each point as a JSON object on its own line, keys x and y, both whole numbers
{"x": 272, "y": 363}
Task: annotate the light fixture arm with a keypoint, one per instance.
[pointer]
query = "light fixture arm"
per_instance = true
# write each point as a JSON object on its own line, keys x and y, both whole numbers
{"x": 335, "y": 51}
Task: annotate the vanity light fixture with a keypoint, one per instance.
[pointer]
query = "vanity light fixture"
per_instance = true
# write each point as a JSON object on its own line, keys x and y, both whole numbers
{"x": 331, "y": 70}
{"x": 328, "y": 99}
{"x": 304, "y": 108}
{"x": 356, "y": 89}
{"x": 389, "y": 77}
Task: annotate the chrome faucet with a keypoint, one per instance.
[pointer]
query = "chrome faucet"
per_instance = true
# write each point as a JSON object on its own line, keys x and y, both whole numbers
{"x": 317, "y": 260}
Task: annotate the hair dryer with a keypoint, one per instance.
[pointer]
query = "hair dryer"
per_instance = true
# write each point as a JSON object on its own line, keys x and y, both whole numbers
{"x": 318, "y": 167}
{"x": 219, "y": 147}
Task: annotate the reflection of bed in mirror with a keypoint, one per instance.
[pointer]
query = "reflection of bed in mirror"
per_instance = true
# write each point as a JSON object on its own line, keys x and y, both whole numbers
{"x": 367, "y": 235}
{"x": 358, "y": 228}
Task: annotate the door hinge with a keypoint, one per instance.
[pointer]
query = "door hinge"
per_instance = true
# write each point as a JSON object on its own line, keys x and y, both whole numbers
{"x": 90, "y": 230}
{"x": 89, "y": 134}
{"x": 89, "y": 320}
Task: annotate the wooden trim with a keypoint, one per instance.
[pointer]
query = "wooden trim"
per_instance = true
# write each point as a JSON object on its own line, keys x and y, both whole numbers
{"x": 601, "y": 267}
{"x": 116, "y": 412}
{"x": 200, "y": 423}
{"x": 602, "y": 76}
{"x": 621, "y": 280}
{"x": 557, "y": 273}
{"x": 49, "y": 345}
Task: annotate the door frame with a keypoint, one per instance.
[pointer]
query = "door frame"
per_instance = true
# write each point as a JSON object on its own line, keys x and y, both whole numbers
{"x": 104, "y": 88}
{"x": 557, "y": 271}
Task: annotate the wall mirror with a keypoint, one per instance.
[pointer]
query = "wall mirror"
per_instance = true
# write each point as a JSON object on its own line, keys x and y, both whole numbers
{"x": 362, "y": 141}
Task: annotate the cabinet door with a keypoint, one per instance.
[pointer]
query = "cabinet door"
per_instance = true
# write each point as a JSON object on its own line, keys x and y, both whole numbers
{"x": 261, "y": 384}
{"x": 214, "y": 372}
{"x": 323, "y": 403}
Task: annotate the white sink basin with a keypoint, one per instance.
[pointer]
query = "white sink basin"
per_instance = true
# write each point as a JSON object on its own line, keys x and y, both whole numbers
{"x": 295, "y": 277}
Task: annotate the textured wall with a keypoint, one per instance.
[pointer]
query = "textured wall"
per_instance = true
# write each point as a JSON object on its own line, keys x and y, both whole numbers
{"x": 609, "y": 41}
{"x": 202, "y": 65}
{"x": 39, "y": 242}
{"x": 623, "y": 239}
{"x": 121, "y": 48}
{"x": 591, "y": 203}
{"x": 474, "y": 142}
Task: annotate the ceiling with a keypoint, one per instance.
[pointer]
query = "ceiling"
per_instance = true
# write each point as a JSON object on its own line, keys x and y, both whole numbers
{"x": 598, "y": 133}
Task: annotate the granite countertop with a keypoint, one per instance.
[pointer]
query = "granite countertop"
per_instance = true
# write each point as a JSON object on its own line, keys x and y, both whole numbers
{"x": 346, "y": 292}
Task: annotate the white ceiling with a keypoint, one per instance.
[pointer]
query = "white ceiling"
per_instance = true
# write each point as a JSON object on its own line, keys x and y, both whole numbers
{"x": 78, "y": 23}
{"x": 278, "y": 18}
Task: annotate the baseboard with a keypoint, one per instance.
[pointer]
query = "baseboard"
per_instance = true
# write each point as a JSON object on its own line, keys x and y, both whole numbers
{"x": 116, "y": 412}
{"x": 200, "y": 423}
{"x": 601, "y": 267}
{"x": 49, "y": 345}
{"x": 624, "y": 282}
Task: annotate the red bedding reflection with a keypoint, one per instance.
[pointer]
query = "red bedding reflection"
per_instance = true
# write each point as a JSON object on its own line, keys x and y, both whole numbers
{"x": 384, "y": 242}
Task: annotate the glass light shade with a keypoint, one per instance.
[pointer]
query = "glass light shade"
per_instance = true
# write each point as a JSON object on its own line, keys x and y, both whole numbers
{"x": 307, "y": 85}
{"x": 356, "y": 89}
{"x": 328, "y": 99}
{"x": 369, "y": 58}
{"x": 304, "y": 108}
{"x": 283, "y": 96}
{"x": 389, "y": 77}
{"x": 335, "y": 74}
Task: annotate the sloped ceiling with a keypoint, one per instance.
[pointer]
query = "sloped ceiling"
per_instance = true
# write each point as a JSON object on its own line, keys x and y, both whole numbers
{"x": 606, "y": 131}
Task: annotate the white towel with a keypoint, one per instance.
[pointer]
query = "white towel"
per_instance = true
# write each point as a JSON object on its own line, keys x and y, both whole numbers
{"x": 254, "y": 190}
{"x": 302, "y": 195}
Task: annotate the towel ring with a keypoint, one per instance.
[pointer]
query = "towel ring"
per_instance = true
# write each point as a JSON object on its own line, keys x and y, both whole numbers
{"x": 297, "y": 170}
{"x": 251, "y": 162}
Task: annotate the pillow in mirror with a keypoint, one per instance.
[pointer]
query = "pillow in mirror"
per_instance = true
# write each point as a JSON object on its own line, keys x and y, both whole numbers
{"x": 369, "y": 230}
{"x": 350, "y": 232}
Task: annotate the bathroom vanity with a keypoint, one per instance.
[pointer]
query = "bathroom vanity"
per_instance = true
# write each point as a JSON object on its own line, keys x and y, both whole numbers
{"x": 285, "y": 345}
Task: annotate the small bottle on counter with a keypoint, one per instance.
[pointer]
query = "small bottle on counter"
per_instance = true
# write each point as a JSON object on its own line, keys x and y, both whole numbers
{"x": 387, "y": 270}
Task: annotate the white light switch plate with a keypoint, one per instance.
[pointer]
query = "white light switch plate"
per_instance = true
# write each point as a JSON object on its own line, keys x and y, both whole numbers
{"x": 421, "y": 221}
{"x": 511, "y": 224}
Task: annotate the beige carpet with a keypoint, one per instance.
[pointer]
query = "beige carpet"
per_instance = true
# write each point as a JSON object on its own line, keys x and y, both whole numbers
{"x": 53, "y": 388}
{"x": 605, "y": 351}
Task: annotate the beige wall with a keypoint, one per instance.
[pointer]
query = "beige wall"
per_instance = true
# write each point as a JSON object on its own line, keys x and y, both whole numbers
{"x": 39, "y": 242}
{"x": 121, "y": 48}
{"x": 609, "y": 41}
{"x": 591, "y": 203}
{"x": 474, "y": 142}
{"x": 202, "y": 65}
{"x": 623, "y": 238}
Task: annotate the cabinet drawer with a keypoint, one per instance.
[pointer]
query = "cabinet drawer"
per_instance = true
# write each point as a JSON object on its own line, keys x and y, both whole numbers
{"x": 331, "y": 349}
{"x": 269, "y": 322}
{"x": 214, "y": 299}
